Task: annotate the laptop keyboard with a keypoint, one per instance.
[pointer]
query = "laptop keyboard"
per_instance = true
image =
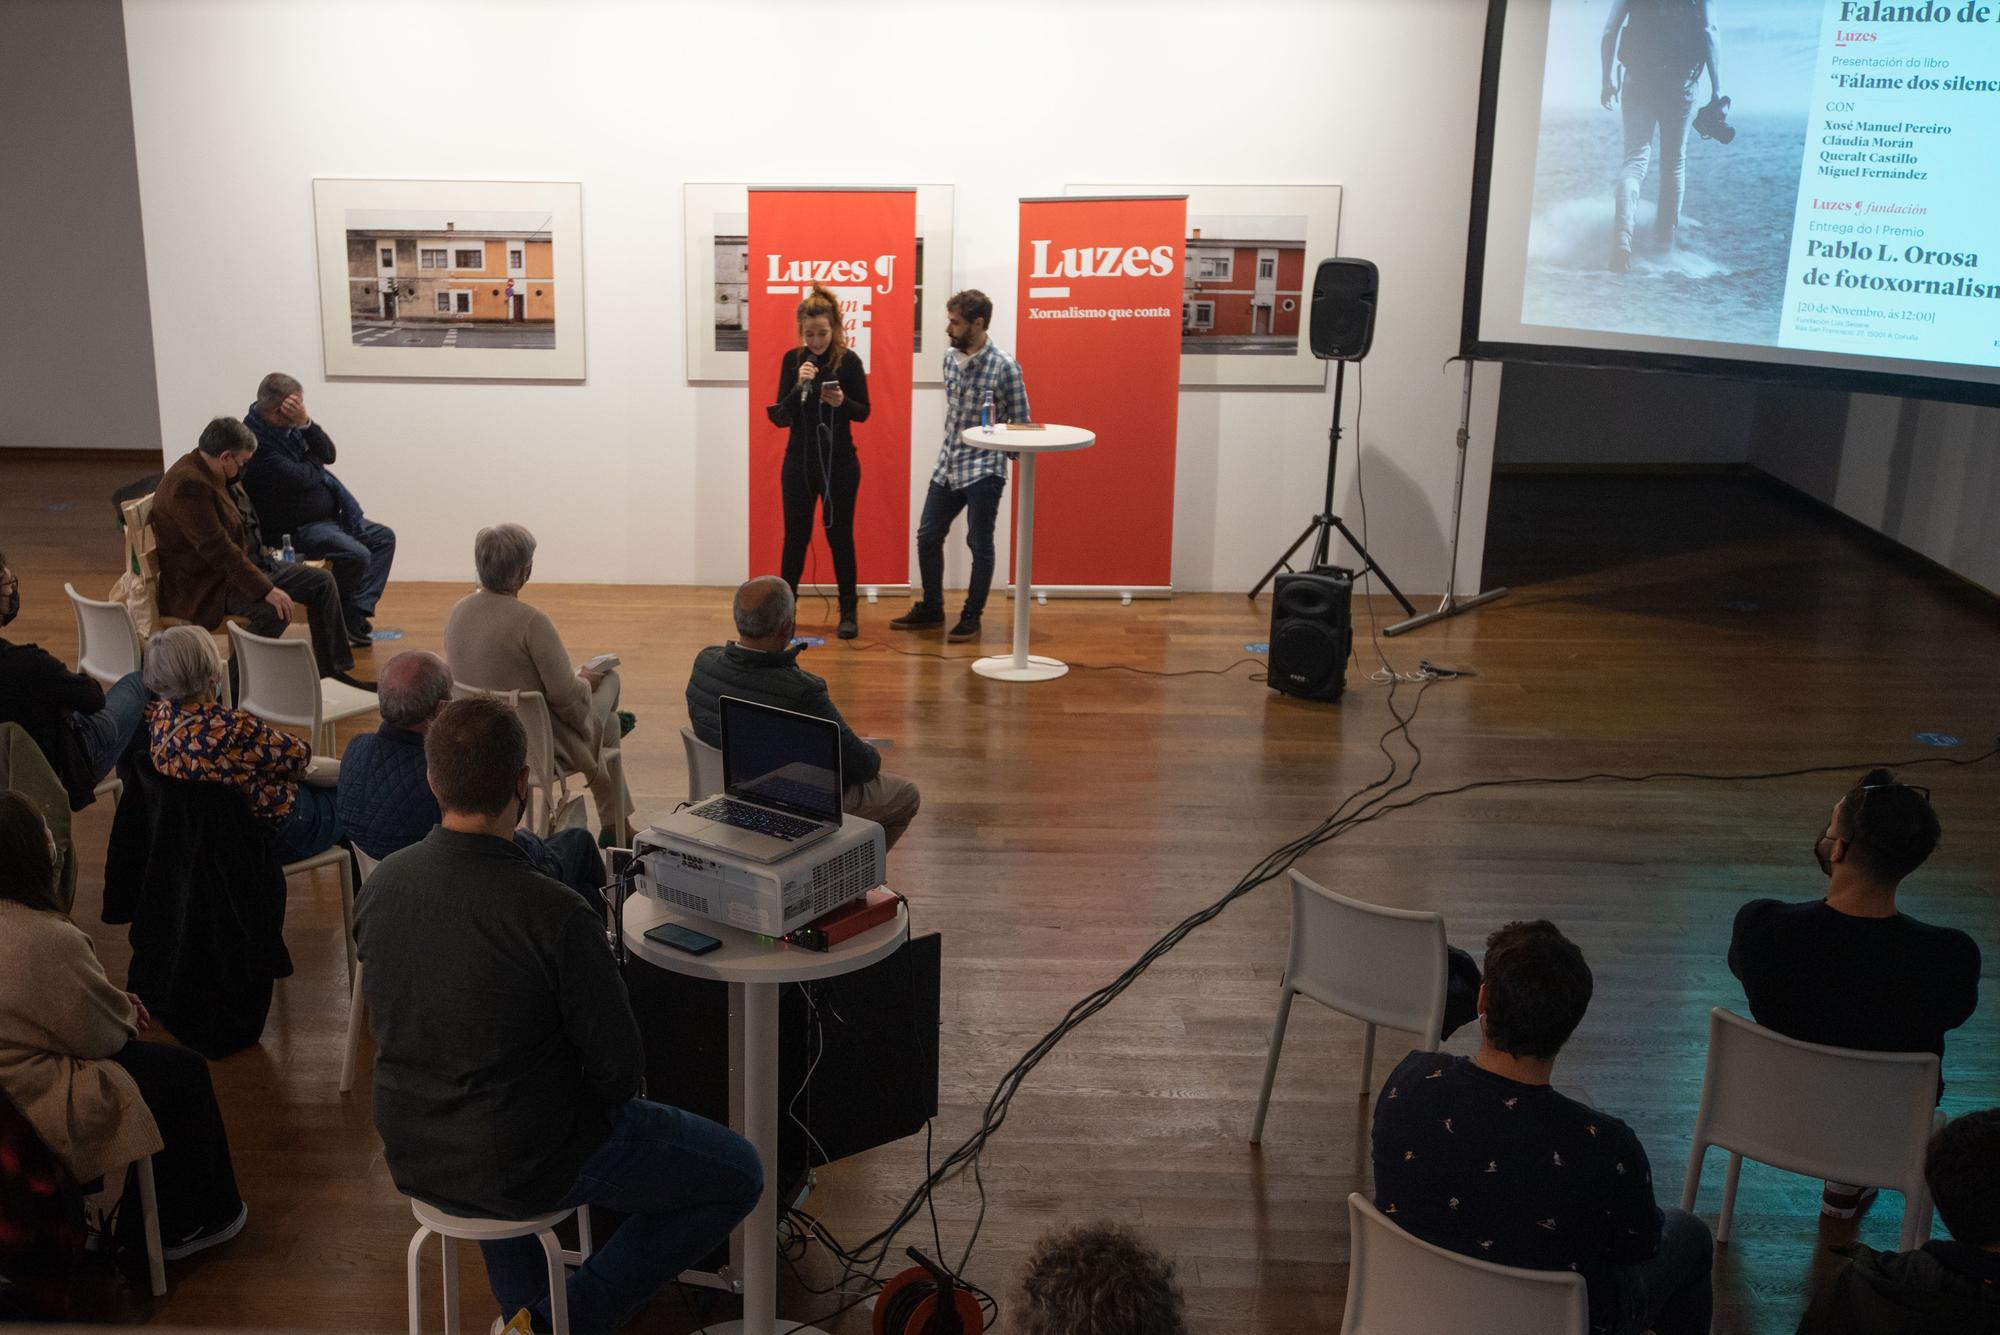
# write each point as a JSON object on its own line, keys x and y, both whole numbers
{"x": 757, "y": 819}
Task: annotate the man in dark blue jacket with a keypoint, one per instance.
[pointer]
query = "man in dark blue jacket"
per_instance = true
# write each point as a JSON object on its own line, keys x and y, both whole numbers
{"x": 289, "y": 483}
{"x": 386, "y": 802}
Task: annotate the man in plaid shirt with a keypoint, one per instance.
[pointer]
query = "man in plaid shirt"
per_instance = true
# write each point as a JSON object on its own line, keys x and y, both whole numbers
{"x": 966, "y": 478}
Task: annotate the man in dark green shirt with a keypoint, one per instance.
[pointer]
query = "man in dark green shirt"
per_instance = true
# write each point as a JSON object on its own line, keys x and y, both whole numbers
{"x": 507, "y": 1057}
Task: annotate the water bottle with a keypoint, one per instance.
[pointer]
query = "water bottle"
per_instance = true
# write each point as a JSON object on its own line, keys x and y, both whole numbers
{"x": 986, "y": 413}
{"x": 286, "y": 556}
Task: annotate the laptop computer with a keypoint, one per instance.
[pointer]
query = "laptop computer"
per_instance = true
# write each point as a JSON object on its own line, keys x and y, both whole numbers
{"x": 781, "y": 785}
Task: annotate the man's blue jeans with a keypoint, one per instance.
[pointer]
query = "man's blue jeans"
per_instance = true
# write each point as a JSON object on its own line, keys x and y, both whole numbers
{"x": 1672, "y": 1293}
{"x": 105, "y": 734}
{"x": 981, "y": 502}
{"x": 359, "y": 561}
{"x": 683, "y": 1182}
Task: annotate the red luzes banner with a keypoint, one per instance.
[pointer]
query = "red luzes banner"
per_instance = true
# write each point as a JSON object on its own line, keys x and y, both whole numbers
{"x": 1100, "y": 348}
{"x": 861, "y": 245}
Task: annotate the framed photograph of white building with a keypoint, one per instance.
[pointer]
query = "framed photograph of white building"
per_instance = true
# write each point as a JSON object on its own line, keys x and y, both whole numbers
{"x": 475, "y": 280}
{"x": 1246, "y": 278}
{"x": 718, "y": 280}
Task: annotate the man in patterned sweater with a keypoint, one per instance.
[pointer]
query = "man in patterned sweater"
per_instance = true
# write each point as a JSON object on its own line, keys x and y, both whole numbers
{"x": 1480, "y": 1156}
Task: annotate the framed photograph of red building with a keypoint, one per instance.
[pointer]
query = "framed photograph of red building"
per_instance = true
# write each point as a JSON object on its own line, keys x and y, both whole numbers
{"x": 457, "y": 279}
{"x": 1246, "y": 278}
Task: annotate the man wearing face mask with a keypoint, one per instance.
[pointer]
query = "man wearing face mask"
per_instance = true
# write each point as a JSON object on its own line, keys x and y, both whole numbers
{"x": 80, "y": 727}
{"x": 1851, "y": 970}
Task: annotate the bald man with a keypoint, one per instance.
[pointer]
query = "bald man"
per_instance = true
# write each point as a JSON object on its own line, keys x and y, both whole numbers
{"x": 385, "y": 798}
{"x": 762, "y": 665}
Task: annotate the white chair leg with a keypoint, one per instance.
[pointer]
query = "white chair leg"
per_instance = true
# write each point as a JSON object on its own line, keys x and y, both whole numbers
{"x": 1916, "y": 1219}
{"x": 415, "y": 1277}
{"x": 583, "y": 1243}
{"x": 558, "y": 1283}
{"x": 621, "y": 824}
{"x": 149, "y": 1206}
{"x": 347, "y": 920}
{"x": 1728, "y": 1199}
{"x": 1368, "y": 1062}
{"x": 1692, "y": 1182}
{"x": 449, "y": 1246}
{"x": 355, "y": 1015}
{"x": 1271, "y": 1062}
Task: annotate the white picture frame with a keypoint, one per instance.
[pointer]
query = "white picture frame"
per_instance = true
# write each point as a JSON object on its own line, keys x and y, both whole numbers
{"x": 519, "y": 316}
{"x": 1286, "y": 218}
{"x": 715, "y": 348}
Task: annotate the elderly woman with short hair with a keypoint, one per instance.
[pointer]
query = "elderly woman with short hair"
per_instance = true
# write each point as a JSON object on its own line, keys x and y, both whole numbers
{"x": 496, "y": 642}
{"x": 194, "y": 736}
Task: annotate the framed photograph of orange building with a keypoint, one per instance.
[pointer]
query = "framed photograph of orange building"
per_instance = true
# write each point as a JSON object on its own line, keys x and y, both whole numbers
{"x": 1246, "y": 278}
{"x": 466, "y": 279}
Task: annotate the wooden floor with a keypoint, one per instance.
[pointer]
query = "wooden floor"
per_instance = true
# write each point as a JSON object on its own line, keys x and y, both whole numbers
{"x": 1697, "y": 624}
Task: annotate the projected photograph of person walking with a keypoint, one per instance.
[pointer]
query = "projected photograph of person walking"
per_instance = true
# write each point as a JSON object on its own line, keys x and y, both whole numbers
{"x": 1667, "y": 166}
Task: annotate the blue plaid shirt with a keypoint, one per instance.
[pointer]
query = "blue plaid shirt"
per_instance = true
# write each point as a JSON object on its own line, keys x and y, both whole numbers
{"x": 960, "y": 465}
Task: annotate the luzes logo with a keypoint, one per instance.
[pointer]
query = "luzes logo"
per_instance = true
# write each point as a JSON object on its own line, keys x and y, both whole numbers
{"x": 1101, "y": 261}
{"x": 783, "y": 275}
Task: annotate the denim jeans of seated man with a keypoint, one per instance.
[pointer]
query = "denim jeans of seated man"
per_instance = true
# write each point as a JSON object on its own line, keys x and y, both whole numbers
{"x": 359, "y": 561}
{"x": 682, "y": 1181}
{"x": 105, "y": 734}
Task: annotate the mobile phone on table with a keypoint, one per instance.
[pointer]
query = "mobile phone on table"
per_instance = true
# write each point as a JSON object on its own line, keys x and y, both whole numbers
{"x": 681, "y": 938}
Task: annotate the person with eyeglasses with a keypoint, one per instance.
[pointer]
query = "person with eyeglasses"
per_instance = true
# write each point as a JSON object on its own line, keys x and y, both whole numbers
{"x": 1852, "y": 970}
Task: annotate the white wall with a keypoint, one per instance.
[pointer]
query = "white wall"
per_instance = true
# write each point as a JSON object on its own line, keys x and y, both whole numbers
{"x": 637, "y": 476}
{"x": 76, "y": 346}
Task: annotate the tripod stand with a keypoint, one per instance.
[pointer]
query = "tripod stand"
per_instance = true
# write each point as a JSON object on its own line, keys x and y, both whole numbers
{"x": 1326, "y": 522}
{"x": 1451, "y": 605}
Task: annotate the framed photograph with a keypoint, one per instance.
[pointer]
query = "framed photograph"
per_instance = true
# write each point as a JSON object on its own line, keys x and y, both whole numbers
{"x": 718, "y": 280}
{"x": 1246, "y": 281}
{"x": 472, "y": 280}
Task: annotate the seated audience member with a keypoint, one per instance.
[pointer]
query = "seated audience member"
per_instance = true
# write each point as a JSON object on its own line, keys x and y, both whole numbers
{"x": 496, "y": 642}
{"x": 1943, "y": 1288}
{"x": 1099, "y": 1280}
{"x": 507, "y": 1057}
{"x": 1480, "y": 1156}
{"x": 289, "y": 482}
{"x": 194, "y": 736}
{"x": 386, "y": 803}
{"x": 72, "y": 1061}
{"x": 81, "y": 728}
{"x": 213, "y": 561}
{"x": 1850, "y": 970}
{"x": 762, "y": 665}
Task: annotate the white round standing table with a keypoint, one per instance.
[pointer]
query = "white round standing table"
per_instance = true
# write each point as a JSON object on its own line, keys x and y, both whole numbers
{"x": 1050, "y": 439}
{"x": 754, "y": 967}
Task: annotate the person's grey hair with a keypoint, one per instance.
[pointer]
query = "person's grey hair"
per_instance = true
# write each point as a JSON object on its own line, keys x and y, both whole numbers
{"x": 274, "y": 389}
{"x": 503, "y": 555}
{"x": 763, "y": 605}
{"x": 181, "y": 663}
{"x": 412, "y": 687}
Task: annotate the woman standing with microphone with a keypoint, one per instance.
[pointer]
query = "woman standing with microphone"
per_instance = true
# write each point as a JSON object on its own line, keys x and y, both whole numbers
{"x": 822, "y": 392}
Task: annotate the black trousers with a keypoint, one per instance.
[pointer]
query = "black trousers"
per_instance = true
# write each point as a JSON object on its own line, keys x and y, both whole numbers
{"x": 193, "y": 1175}
{"x": 805, "y": 481}
{"x": 315, "y": 590}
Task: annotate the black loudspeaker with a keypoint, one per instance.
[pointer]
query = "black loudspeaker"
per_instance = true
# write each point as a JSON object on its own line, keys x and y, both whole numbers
{"x": 1312, "y": 633}
{"x": 1343, "y": 309}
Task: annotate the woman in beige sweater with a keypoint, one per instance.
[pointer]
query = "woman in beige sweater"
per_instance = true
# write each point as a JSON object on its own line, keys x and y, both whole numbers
{"x": 71, "y": 1058}
{"x": 496, "y": 642}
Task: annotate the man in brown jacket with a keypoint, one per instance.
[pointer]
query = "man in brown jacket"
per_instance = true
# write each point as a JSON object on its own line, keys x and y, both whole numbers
{"x": 213, "y": 563}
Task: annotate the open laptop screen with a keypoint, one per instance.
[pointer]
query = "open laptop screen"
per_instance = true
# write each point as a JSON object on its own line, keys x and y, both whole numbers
{"x": 785, "y": 760}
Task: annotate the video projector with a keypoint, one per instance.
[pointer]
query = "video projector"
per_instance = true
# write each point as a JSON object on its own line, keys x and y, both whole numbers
{"x": 771, "y": 898}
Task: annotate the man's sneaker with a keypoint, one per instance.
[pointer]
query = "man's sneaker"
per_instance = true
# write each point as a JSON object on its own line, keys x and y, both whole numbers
{"x": 203, "y": 1238}
{"x": 921, "y": 616}
{"x": 966, "y": 629}
{"x": 1843, "y": 1202}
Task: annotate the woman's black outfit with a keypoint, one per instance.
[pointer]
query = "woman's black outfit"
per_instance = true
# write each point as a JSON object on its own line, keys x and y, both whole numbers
{"x": 821, "y": 465}
{"x": 193, "y": 1177}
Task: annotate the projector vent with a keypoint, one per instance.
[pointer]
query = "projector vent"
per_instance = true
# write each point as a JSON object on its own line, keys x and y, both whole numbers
{"x": 837, "y": 880}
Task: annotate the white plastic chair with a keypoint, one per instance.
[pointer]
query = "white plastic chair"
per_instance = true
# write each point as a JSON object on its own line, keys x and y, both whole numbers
{"x": 1401, "y": 1285}
{"x": 548, "y": 784}
{"x": 449, "y": 1227}
{"x": 107, "y": 641}
{"x": 107, "y": 1200}
{"x": 704, "y": 766}
{"x": 278, "y": 681}
{"x": 1833, "y": 1113}
{"x": 337, "y": 858}
{"x": 351, "y": 1052}
{"x": 1385, "y": 967}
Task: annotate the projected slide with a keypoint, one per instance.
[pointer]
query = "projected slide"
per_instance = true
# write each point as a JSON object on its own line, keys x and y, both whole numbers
{"x": 1815, "y": 178}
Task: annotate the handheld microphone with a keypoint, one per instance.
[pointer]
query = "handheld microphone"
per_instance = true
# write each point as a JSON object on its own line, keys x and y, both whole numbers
{"x": 805, "y": 386}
